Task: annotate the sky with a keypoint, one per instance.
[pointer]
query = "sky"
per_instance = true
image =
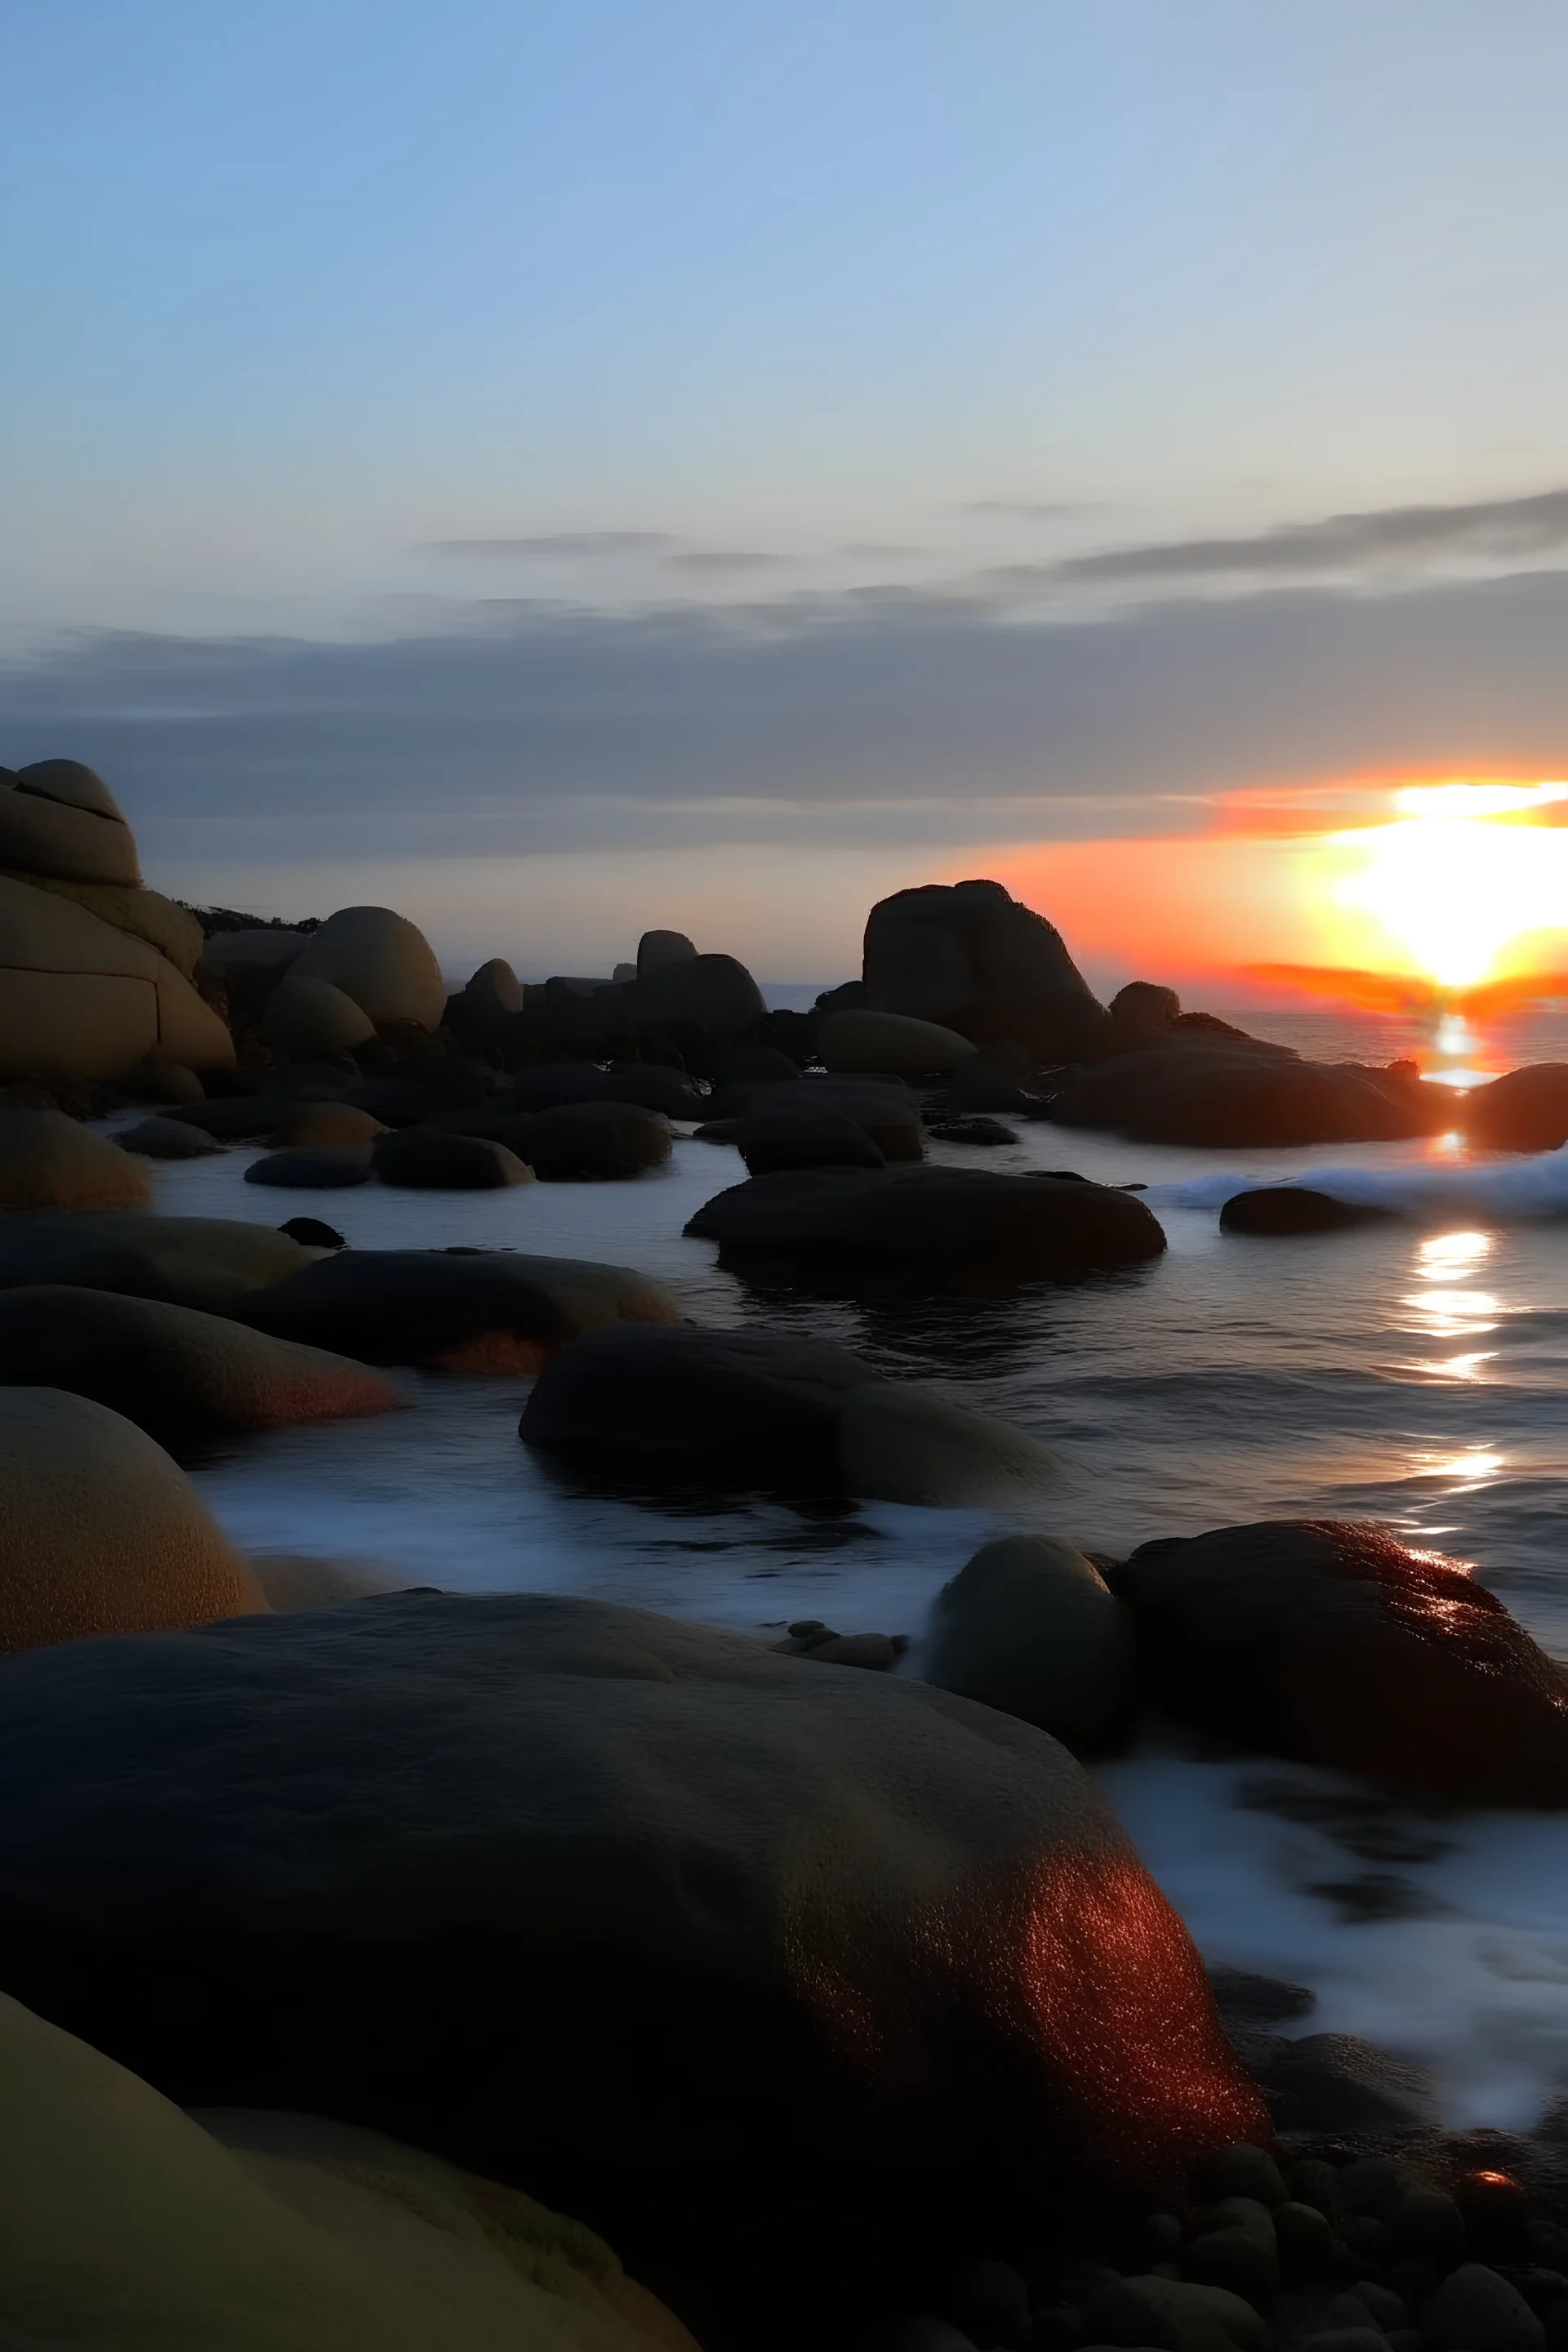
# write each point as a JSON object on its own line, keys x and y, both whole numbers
{"x": 560, "y": 469}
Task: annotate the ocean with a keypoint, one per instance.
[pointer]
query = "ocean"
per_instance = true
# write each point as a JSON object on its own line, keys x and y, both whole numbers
{"x": 1415, "y": 1373}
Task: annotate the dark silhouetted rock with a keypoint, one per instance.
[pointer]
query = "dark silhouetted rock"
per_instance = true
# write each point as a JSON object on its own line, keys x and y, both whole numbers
{"x": 657, "y": 950}
{"x": 330, "y": 1169}
{"x": 929, "y": 1229}
{"x": 1285, "y": 1209}
{"x": 971, "y": 958}
{"x": 478, "y": 1311}
{"x": 592, "y": 1142}
{"x": 234, "y": 1119}
{"x": 1245, "y": 1095}
{"x": 168, "y": 1138}
{"x": 1333, "y": 1643}
{"x": 1526, "y": 1111}
{"x": 50, "y": 1161}
{"x": 797, "y": 1134}
{"x": 884, "y": 1109}
{"x": 891, "y": 1041}
{"x": 432, "y": 1159}
{"x": 213, "y": 1263}
{"x": 1028, "y": 1626}
{"x": 585, "y": 1897}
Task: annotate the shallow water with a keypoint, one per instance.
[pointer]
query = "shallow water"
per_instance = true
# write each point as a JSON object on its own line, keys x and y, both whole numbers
{"x": 1414, "y": 1373}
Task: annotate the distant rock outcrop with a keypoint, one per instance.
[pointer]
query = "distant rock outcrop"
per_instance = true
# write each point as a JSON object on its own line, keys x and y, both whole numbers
{"x": 967, "y": 956}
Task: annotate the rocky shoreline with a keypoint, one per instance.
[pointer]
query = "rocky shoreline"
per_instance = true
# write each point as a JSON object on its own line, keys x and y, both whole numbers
{"x": 834, "y": 1998}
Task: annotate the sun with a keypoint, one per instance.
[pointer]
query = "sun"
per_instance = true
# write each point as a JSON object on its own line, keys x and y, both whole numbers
{"x": 1460, "y": 874}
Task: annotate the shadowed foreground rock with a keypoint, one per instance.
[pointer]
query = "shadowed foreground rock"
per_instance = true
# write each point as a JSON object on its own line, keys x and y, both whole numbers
{"x": 1282, "y": 1210}
{"x": 916, "y": 1230}
{"x": 211, "y": 1263}
{"x": 1244, "y": 1095}
{"x": 706, "y": 1945}
{"x": 1330, "y": 1642}
{"x": 1029, "y": 1626}
{"x": 1525, "y": 1111}
{"x": 124, "y": 2222}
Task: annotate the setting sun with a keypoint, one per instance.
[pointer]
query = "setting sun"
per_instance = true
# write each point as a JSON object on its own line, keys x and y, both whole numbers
{"x": 1461, "y": 875}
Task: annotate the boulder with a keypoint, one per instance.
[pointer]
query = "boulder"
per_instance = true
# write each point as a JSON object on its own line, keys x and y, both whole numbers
{"x": 1525, "y": 1111}
{"x": 99, "y": 1532}
{"x": 326, "y": 1169}
{"x": 252, "y": 963}
{"x": 1031, "y": 1627}
{"x": 723, "y": 1940}
{"x": 125, "y": 2223}
{"x": 796, "y": 1134}
{"x": 591, "y": 1142}
{"x": 1474, "y": 2310}
{"x": 211, "y": 1263}
{"x": 49, "y": 1162}
{"x": 890, "y": 1041}
{"x": 463, "y": 1311}
{"x": 77, "y": 994}
{"x": 433, "y": 1160}
{"x": 163, "y": 922}
{"x": 307, "y": 1017}
{"x": 179, "y": 1374}
{"x": 1331, "y": 1641}
{"x": 970, "y": 957}
{"x": 1238, "y": 1096}
{"x": 58, "y": 818}
{"x": 711, "y": 992}
{"x": 1177, "y": 2314}
{"x": 162, "y": 1083}
{"x": 312, "y": 1125}
{"x": 925, "y": 1230}
{"x": 657, "y": 950}
{"x": 168, "y": 1138}
{"x": 885, "y": 1109}
{"x": 743, "y": 1408}
{"x": 1275, "y": 1210}
{"x": 380, "y": 961}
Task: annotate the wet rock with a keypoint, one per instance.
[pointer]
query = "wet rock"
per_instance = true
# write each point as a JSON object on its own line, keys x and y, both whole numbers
{"x": 1305, "y": 2240}
{"x": 167, "y": 1139}
{"x": 653, "y": 1089}
{"x": 1474, "y": 2310}
{"x": 1526, "y": 1111}
{"x": 1177, "y": 2314}
{"x": 316, "y": 1126}
{"x": 902, "y": 1442}
{"x": 1245, "y": 1998}
{"x": 313, "y": 1233}
{"x": 1028, "y": 1626}
{"x": 1285, "y": 1209}
{"x": 924, "y": 1230}
{"x": 1426, "y": 2222}
{"x": 431, "y": 1159}
{"x": 1331, "y": 1641}
{"x": 179, "y": 1374}
{"x": 1336, "y": 2081}
{"x": 633, "y": 1828}
{"x": 879, "y": 1653}
{"x": 801, "y": 1135}
{"x": 593, "y": 1142}
{"x": 213, "y": 1263}
{"x": 1244, "y": 1095}
{"x": 314, "y": 1171}
{"x": 1246, "y": 2169}
{"x": 988, "y": 1131}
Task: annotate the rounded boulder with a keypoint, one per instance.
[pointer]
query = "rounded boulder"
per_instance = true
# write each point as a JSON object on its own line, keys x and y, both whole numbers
{"x": 50, "y": 1161}
{"x": 306, "y": 1016}
{"x": 179, "y": 1374}
{"x": 1276, "y": 1210}
{"x": 1029, "y": 1626}
{"x": 78, "y": 995}
{"x": 890, "y": 1041}
{"x": 101, "y": 1532}
{"x": 168, "y": 1138}
{"x": 59, "y": 818}
{"x": 380, "y": 961}
{"x": 434, "y": 1159}
{"x": 591, "y": 1142}
{"x": 213, "y": 1263}
{"x": 327, "y": 1168}
{"x": 1524, "y": 1110}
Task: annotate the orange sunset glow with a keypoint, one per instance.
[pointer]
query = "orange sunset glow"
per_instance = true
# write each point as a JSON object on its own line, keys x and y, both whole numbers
{"x": 1463, "y": 882}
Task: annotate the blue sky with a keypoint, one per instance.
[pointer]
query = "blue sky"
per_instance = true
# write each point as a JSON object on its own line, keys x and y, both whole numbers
{"x": 505, "y": 354}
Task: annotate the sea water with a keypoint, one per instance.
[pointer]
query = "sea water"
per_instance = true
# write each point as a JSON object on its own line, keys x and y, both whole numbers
{"x": 1414, "y": 1372}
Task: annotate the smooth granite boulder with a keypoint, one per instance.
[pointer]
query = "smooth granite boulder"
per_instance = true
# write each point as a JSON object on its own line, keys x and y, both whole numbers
{"x": 59, "y": 818}
{"x": 911, "y": 1231}
{"x": 1524, "y": 1110}
{"x": 796, "y": 1134}
{"x": 709, "y": 992}
{"x": 99, "y": 1531}
{"x": 1238, "y": 1095}
{"x": 179, "y": 1374}
{"x": 591, "y": 1142}
{"x": 145, "y": 914}
{"x": 1332, "y": 1641}
{"x": 890, "y": 1041}
{"x": 81, "y": 995}
{"x": 740, "y": 1409}
{"x": 306, "y": 1017}
{"x": 126, "y": 2226}
{"x": 434, "y": 1159}
{"x": 50, "y": 1161}
{"x": 378, "y": 960}
{"x": 311, "y": 1125}
{"x": 657, "y": 950}
{"x": 699, "y": 1942}
{"x": 1276, "y": 1210}
{"x": 212, "y": 1263}
{"x": 168, "y": 1138}
{"x": 319, "y": 1168}
{"x": 475, "y": 1311}
{"x": 883, "y": 1109}
{"x": 1029, "y": 1626}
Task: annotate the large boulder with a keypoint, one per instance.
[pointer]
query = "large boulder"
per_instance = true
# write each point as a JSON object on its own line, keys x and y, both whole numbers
{"x": 925, "y": 1230}
{"x": 890, "y": 1041}
{"x": 433, "y": 1160}
{"x": 1334, "y": 1643}
{"x": 163, "y": 922}
{"x": 167, "y": 1139}
{"x": 314, "y": 1168}
{"x": 305, "y": 1017}
{"x": 99, "y": 1532}
{"x": 79, "y": 995}
{"x": 1237, "y": 1096}
{"x": 252, "y": 963}
{"x": 742, "y": 1409}
{"x": 657, "y": 950}
{"x": 709, "y": 992}
{"x": 592, "y": 1142}
{"x": 968, "y": 956}
{"x": 801, "y": 1135}
{"x": 1525, "y": 1111}
{"x": 49, "y": 1162}
{"x": 1030, "y": 1626}
{"x": 883, "y": 1108}
{"x": 58, "y": 817}
{"x": 378, "y": 960}
{"x": 125, "y": 2223}
{"x": 464, "y": 1311}
{"x": 181, "y": 1375}
{"x": 1282, "y": 1211}
{"x": 704, "y": 1943}
{"x": 211, "y": 1263}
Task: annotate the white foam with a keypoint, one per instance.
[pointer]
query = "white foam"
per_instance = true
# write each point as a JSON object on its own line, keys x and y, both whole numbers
{"x": 1536, "y": 1186}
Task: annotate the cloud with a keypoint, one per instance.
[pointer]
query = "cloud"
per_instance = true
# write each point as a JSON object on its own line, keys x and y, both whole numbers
{"x": 1033, "y": 510}
{"x": 1499, "y": 529}
{"x": 868, "y": 720}
{"x": 717, "y": 561}
{"x": 557, "y": 542}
